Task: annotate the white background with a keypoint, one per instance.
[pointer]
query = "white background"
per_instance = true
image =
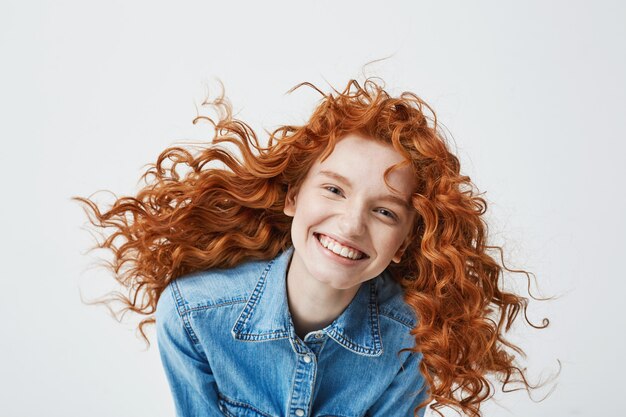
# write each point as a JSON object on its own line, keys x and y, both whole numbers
{"x": 532, "y": 92}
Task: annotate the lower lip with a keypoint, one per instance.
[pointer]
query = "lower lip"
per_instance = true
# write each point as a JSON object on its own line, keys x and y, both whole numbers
{"x": 337, "y": 258}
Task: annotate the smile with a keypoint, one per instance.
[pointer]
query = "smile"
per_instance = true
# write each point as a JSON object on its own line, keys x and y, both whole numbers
{"x": 339, "y": 249}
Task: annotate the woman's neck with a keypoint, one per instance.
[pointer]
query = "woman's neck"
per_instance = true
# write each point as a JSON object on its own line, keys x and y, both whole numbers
{"x": 313, "y": 304}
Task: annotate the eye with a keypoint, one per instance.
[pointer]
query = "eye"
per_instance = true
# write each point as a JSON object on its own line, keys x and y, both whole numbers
{"x": 333, "y": 189}
{"x": 388, "y": 213}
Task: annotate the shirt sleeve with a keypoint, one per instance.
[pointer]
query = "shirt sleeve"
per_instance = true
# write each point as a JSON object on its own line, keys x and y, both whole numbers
{"x": 186, "y": 366}
{"x": 403, "y": 395}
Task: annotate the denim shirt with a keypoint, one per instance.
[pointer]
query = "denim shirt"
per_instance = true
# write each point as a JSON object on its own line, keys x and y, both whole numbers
{"x": 229, "y": 347}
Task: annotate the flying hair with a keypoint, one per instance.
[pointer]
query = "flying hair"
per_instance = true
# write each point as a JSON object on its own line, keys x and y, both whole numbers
{"x": 226, "y": 208}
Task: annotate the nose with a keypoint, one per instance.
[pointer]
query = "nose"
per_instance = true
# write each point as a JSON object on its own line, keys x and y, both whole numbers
{"x": 352, "y": 221}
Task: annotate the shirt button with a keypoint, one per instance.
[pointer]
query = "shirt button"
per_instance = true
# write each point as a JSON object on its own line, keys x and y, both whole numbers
{"x": 318, "y": 335}
{"x": 299, "y": 412}
{"x": 306, "y": 359}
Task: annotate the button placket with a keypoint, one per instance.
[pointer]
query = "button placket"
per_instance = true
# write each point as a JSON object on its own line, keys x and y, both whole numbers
{"x": 303, "y": 382}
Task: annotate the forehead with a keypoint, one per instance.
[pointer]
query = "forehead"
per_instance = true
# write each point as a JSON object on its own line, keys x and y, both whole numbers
{"x": 364, "y": 161}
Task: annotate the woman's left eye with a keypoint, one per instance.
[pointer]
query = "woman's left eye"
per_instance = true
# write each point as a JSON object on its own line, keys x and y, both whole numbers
{"x": 333, "y": 189}
{"x": 387, "y": 213}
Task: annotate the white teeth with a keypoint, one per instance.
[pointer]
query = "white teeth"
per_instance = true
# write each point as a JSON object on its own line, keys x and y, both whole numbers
{"x": 339, "y": 249}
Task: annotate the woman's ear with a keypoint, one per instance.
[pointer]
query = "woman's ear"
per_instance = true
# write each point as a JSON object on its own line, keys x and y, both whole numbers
{"x": 398, "y": 255}
{"x": 290, "y": 203}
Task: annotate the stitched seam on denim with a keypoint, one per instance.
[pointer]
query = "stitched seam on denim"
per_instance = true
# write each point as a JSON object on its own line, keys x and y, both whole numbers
{"x": 334, "y": 415}
{"x": 226, "y": 303}
{"x": 293, "y": 380}
{"x": 254, "y": 298}
{"x": 241, "y": 404}
{"x": 262, "y": 337}
{"x": 401, "y": 320}
{"x": 377, "y": 348}
{"x": 343, "y": 340}
{"x": 221, "y": 403}
{"x": 183, "y": 312}
{"x": 373, "y": 306}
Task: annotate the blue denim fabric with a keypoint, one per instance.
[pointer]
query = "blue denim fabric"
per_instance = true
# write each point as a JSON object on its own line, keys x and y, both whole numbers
{"x": 228, "y": 347}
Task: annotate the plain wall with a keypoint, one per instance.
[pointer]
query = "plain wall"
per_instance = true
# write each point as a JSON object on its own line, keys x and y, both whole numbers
{"x": 532, "y": 94}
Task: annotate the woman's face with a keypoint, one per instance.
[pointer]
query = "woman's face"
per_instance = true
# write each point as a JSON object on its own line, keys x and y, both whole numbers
{"x": 344, "y": 203}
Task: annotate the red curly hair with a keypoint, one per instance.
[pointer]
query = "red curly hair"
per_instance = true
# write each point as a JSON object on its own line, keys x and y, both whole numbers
{"x": 213, "y": 216}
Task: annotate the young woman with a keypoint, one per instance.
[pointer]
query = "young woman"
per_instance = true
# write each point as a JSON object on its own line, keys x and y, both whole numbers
{"x": 340, "y": 271}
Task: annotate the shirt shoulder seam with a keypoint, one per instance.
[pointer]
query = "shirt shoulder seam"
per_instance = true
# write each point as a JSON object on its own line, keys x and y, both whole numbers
{"x": 183, "y": 311}
{"x": 402, "y": 320}
{"x": 202, "y": 307}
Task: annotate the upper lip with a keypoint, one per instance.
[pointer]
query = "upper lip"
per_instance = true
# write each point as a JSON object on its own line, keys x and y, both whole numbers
{"x": 344, "y": 242}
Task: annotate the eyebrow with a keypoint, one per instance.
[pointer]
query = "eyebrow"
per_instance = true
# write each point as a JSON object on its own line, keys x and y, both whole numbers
{"x": 389, "y": 197}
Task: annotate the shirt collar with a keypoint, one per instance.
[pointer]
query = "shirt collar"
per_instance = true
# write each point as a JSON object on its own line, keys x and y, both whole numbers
{"x": 266, "y": 314}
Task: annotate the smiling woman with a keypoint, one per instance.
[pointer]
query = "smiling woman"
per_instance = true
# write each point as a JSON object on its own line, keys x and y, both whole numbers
{"x": 343, "y": 270}
{"x": 345, "y": 236}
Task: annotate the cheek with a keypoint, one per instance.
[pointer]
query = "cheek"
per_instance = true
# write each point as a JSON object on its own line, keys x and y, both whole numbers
{"x": 389, "y": 240}
{"x": 309, "y": 215}
{"x": 306, "y": 215}
{"x": 312, "y": 206}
